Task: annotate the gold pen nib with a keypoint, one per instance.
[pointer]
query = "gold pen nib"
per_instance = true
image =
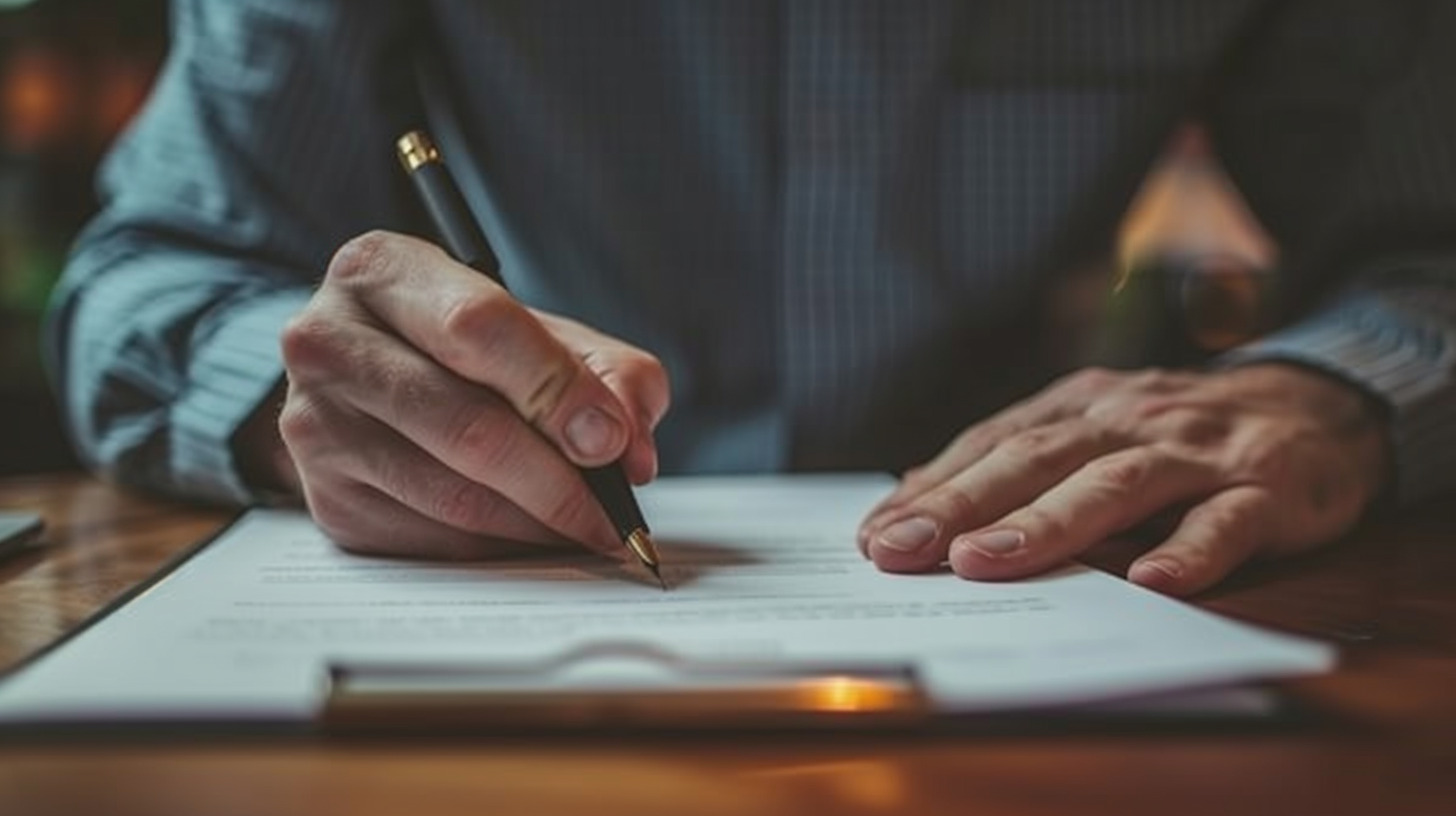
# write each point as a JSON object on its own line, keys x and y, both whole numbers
{"x": 640, "y": 543}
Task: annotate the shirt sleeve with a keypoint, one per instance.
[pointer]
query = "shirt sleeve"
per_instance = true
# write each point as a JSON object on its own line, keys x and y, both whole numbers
{"x": 1339, "y": 130}
{"x": 266, "y": 143}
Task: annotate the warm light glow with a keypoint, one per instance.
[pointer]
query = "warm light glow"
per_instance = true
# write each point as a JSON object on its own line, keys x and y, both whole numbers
{"x": 38, "y": 93}
{"x": 852, "y": 694}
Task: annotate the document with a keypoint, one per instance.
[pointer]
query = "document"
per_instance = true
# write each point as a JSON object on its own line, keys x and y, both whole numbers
{"x": 762, "y": 569}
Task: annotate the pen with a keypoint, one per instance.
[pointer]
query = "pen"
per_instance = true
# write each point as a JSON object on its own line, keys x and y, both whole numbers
{"x": 463, "y": 239}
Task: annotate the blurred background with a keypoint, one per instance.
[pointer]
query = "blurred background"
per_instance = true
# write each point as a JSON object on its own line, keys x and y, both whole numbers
{"x": 72, "y": 72}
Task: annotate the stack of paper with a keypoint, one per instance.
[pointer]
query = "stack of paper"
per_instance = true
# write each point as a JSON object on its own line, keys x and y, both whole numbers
{"x": 763, "y": 569}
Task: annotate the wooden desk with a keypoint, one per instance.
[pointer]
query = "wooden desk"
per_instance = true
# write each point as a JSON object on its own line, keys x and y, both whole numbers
{"x": 1386, "y": 746}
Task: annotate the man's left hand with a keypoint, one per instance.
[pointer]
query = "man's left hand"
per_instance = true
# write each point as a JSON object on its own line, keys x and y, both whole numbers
{"x": 1266, "y": 459}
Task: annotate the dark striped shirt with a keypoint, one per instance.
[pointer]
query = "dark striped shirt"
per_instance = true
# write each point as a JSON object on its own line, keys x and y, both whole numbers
{"x": 836, "y": 221}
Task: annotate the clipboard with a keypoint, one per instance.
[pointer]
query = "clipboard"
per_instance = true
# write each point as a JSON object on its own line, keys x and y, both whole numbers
{"x": 168, "y": 672}
{"x": 620, "y": 685}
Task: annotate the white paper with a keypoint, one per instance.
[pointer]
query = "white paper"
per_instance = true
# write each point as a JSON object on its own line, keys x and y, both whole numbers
{"x": 762, "y": 568}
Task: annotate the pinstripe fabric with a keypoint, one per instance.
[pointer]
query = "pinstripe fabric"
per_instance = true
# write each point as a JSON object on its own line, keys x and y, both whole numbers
{"x": 836, "y": 222}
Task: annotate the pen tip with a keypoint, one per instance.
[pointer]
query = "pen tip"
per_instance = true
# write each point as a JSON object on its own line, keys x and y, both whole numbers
{"x": 640, "y": 543}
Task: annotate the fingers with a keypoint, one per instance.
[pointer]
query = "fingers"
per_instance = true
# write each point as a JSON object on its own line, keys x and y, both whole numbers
{"x": 399, "y": 470}
{"x": 1212, "y": 539}
{"x": 917, "y": 534}
{"x": 1105, "y": 496}
{"x": 443, "y": 446}
{"x": 475, "y": 329}
{"x": 421, "y": 384}
{"x": 360, "y": 517}
{"x": 362, "y": 520}
{"x": 1068, "y": 397}
{"x": 1268, "y": 461}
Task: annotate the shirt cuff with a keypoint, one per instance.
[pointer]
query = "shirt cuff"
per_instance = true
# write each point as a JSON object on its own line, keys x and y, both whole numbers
{"x": 232, "y": 371}
{"x": 1388, "y": 345}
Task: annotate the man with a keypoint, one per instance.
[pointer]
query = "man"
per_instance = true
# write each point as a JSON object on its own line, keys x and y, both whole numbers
{"x": 824, "y": 231}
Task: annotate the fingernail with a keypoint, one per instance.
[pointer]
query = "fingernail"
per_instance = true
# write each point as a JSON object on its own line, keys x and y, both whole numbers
{"x": 592, "y": 434}
{"x": 995, "y": 543}
{"x": 908, "y": 535}
{"x": 1154, "y": 572}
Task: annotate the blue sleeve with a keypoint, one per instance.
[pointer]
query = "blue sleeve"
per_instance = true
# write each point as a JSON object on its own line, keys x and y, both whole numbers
{"x": 266, "y": 143}
{"x": 1339, "y": 129}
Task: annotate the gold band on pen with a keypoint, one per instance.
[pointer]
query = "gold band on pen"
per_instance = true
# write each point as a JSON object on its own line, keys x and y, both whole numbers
{"x": 416, "y": 150}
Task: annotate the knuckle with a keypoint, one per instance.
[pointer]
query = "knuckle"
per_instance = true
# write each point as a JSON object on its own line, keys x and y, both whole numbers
{"x": 1198, "y": 428}
{"x": 486, "y": 319}
{"x": 1125, "y": 471}
{"x": 946, "y": 505}
{"x": 310, "y": 343}
{"x": 1036, "y": 449}
{"x": 954, "y": 507}
{"x": 644, "y": 364}
{"x": 301, "y": 423}
{"x": 361, "y": 256}
{"x": 1048, "y": 526}
{"x": 642, "y": 372}
{"x": 1223, "y": 520}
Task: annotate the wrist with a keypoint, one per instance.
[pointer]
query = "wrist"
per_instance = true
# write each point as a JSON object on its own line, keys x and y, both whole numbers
{"x": 1351, "y": 414}
{"x": 1332, "y": 396}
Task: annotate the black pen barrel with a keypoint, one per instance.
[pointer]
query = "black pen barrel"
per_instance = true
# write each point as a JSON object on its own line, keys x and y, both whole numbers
{"x": 451, "y": 216}
{"x": 609, "y": 484}
{"x": 463, "y": 239}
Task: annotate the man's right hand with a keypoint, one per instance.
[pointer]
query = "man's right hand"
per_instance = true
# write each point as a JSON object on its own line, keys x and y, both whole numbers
{"x": 430, "y": 414}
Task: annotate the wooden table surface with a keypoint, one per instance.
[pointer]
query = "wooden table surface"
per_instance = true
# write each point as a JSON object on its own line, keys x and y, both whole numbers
{"x": 1384, "y": 742}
